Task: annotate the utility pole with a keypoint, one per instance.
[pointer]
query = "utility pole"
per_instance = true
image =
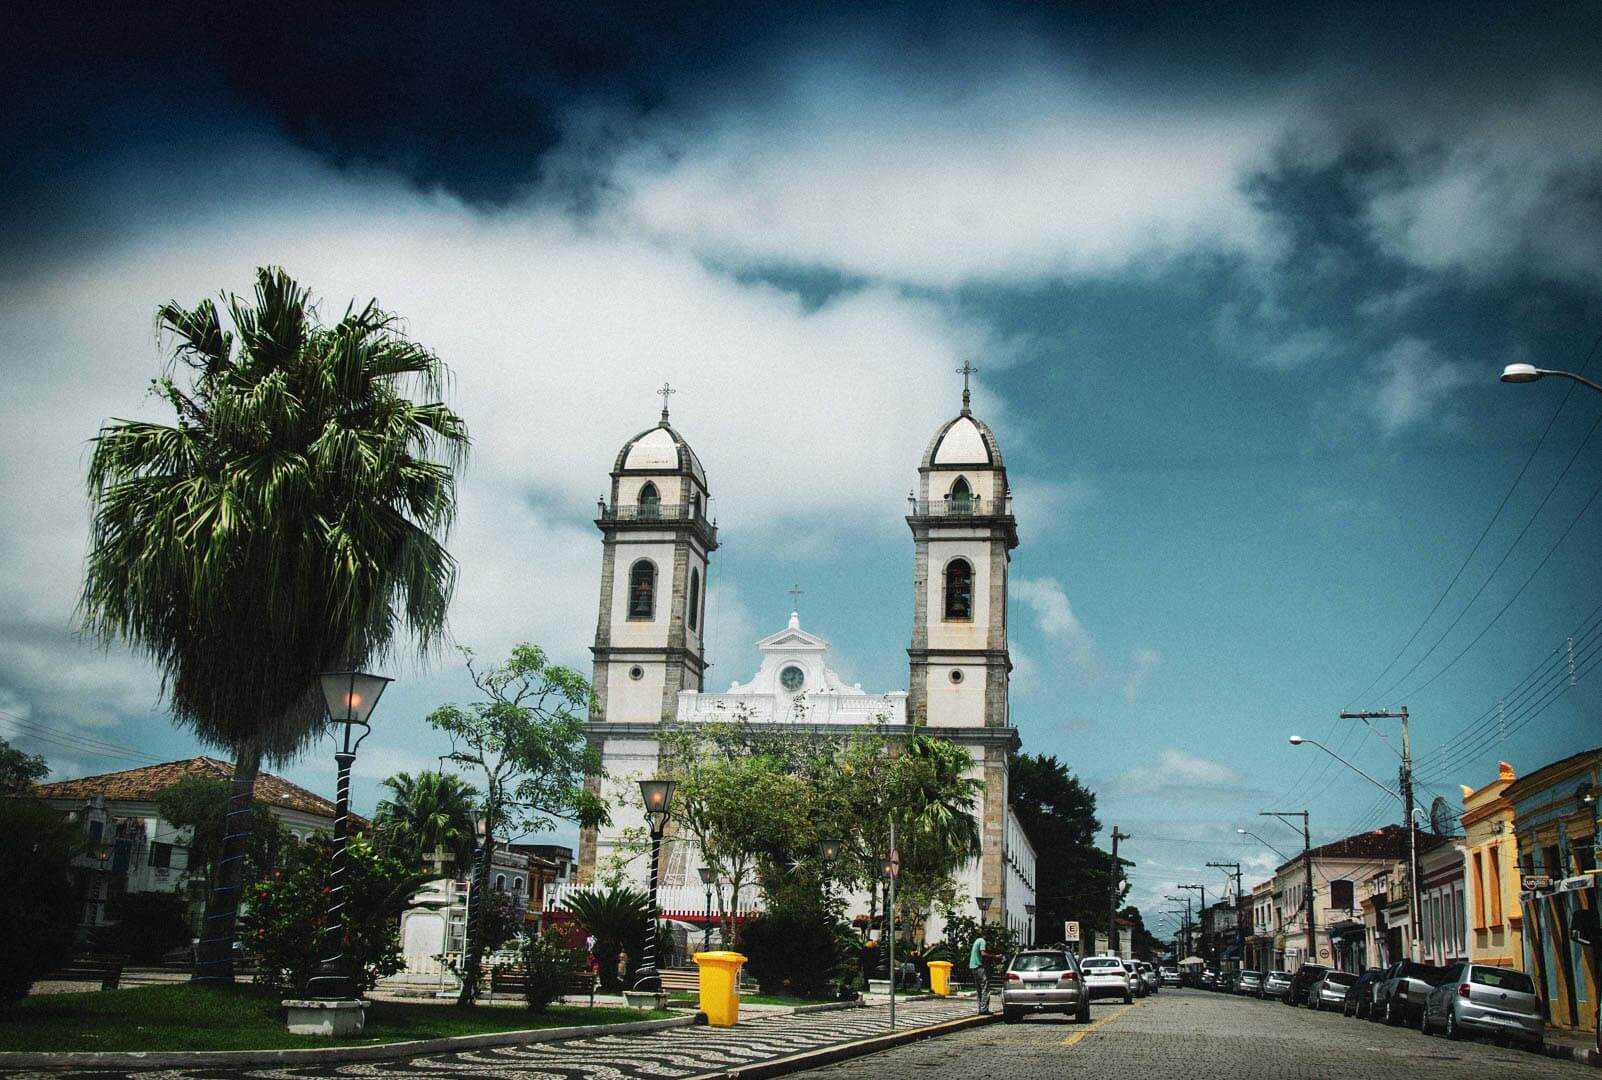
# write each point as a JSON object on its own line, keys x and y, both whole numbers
{"x": 1184, "y": 927}
{"x": 1232, "y": 869}
{"x": 1201, "y": 918}
{"x": 1112, "y": 900}
{"x": 1406, "y": 779}
{"x": 1307, "y": 865}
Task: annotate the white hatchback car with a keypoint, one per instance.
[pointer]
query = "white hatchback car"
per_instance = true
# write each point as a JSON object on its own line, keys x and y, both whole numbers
{"x": 1108, "y": 977}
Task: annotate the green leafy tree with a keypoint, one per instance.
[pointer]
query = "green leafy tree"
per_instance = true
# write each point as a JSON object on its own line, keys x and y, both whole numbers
{"x": 619, "y": 919}
{"x": 1059, "y": 814}
{"x": 285, "y": 914}
{"x": 19, "y": 772}
{"x": 426, "y": 813}
{"x": 289, "y": 521}
{"x": 525, "y": 738}
{"x": 39, "y": 906}
{"x": 548, "y": 962}
{"x": 200, "y": 805}
{"x": 144, "y": 926}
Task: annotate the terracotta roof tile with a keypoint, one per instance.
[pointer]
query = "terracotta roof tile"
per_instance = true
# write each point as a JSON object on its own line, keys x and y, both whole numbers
{"x": 142, "y": 785}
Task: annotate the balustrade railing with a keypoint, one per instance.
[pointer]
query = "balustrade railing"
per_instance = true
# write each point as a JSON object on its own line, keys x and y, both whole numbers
{"x": 971, "y": 507}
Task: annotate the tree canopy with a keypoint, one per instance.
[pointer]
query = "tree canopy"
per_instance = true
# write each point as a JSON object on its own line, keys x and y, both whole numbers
{"x": 1073, "y": 875}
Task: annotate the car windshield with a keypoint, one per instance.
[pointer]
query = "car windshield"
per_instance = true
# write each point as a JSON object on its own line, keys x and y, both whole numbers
{"x": 1251, "y": 974}
{"x": 1055, "y": 961}
{"x": 1407, "y": 969}
{"x": 1313, "y": 970}
{"x": 1279, "y": 974}
{"x": 1340, "y": 978}
{"x": 1503, "y": 979}
{"x": 1094, "y": 964}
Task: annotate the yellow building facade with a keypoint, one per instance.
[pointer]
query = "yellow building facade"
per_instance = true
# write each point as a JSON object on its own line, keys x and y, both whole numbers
{"x": 1496, "y": 923}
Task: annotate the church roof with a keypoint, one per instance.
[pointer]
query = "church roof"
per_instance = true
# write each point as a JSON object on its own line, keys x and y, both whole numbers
{"x": 659, "y": 448}
{"x": 964, "y": 440}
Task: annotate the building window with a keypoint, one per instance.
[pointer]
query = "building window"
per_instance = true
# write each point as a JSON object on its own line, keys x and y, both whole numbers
{"x": 1480, "y": 906}
{"x": 636, "y": 673}
{"x": 650, "y": 501}
{"x": 642, "y": 590}
{"x": 500, "y": 882}
{"x": 695, "y": 505}
{"x": 695, "y": 599}
{"x": 517, "y": 884}
{"x": 956, "y": 675}
{"x": 160, "y": 856}
{"x": 959, "y": 591}
{"x": 961, "y": 497}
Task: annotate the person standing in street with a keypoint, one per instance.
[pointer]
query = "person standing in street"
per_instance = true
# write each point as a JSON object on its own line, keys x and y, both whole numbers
{"x": 981, "y": 974}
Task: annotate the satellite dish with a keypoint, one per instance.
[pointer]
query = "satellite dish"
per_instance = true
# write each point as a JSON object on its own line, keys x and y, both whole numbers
{"x": 1443, "y": 822}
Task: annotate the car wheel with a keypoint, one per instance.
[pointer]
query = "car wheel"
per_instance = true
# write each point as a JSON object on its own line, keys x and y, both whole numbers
{"x": 1452, "y": 1031}
{"x": 1424, "y": 1021}
{"x": 1009, "y": 1016}
{"x": 1129, "y": 999}
{"x": 1083, "y": 1016}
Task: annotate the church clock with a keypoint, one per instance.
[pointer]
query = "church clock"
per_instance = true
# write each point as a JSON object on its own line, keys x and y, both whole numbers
{"x": 791, "y": 678}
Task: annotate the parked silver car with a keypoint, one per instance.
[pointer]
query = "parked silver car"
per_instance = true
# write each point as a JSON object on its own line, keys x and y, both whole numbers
{"x": 1275, "y": 985}
{"x": 1250, "y": 983}
{"x": 1399, "y": 997}
{"x": 1494, "y": 1001}
{"x": 1044, "y": 980}
{"x": 1330, "y": 991}
{"x": 1148, "y": 974}
{"x": 1106, "y": 976}
{"x": 1170, "y": 977}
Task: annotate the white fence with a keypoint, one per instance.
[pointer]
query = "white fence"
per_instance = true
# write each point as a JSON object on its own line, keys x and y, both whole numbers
{"x": 675, "y": 901}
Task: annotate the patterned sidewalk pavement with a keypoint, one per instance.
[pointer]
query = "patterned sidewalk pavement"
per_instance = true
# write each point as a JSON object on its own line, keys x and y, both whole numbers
{"x": 673, "y": 1053}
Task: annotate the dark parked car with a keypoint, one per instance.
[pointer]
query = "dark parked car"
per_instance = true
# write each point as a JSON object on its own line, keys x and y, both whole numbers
{"x": 1399, "y": 998}
{"x": 1360, "y": 995}
{"x": 1302, "y": 982}
{"x": 1493, "y": 1001}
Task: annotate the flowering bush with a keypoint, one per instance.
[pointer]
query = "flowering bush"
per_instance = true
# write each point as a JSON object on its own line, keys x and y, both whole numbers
{"x": 548, "y": 961}
{"x": 285, "y": 912}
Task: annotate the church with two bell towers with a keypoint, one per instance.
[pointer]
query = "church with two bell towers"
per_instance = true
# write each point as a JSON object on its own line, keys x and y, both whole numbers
{"x": 657, "y": 540}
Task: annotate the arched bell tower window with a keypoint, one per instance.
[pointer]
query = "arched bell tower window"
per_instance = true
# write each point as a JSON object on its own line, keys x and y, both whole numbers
{"x": 650, "y": 501}
{"x": 959, "y": 591}
{"x": 694, "y": 610}
{"x": 642, "y": 590}
{"x": 695, "y": 505}
{"x": 961, "y": 497}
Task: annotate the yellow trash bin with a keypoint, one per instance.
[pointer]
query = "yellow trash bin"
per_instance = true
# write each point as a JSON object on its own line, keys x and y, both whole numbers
{"x": 720, "y": 986}
{"x": 940, "y": 977}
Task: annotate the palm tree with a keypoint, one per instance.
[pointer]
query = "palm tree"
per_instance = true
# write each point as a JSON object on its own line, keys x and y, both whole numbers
{"x": 290, "y": 521}
{"x": 429, "y": 812}
{"x": 620, "y": 918}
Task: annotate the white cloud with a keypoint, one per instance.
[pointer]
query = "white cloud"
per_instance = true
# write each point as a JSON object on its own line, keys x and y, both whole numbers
{"x": 1412, "y": 383}
{"x": 1143, "y": 660}
{"x": 1028, "y": 171}
{"x": 1055, "y": 617}
{"x": 1176, "y": 769}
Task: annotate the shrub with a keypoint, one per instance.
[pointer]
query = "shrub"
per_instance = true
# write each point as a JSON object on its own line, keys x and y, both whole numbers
{"x": 547, "y": 962}
{"x": 962, "y": 929}
{"x": 620, "y": 919}
{"x": 793, "y": 950}
{"x": 39, "y": 906}
{"x": 145, "y": 926}
{"x": 282, "y": 924}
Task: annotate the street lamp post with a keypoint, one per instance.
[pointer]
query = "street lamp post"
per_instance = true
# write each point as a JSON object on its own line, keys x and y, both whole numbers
{"x": 658, "y": 796}
{"x": 1524, "y": 373}
{"x": 707, "y": 877}
{"x": 1201, "y": 915}
{"x": 1307, "y": 865}
{"x": 892, "y": 870}
{"x": 1405, "y": 779}
{"x": 350, "y": 697}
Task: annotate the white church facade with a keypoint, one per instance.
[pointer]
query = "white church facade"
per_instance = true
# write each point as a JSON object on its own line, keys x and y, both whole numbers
{"x": 657, "y": 544}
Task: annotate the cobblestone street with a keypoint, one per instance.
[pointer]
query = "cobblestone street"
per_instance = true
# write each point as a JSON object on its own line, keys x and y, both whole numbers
{"x": 1199, "y": 1036}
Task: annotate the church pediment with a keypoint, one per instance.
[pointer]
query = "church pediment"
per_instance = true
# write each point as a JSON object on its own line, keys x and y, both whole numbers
{"x": 793, "y": 639}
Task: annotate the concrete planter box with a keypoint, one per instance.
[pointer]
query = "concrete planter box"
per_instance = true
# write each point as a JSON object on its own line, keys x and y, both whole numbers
{"x": 646, "y": 999}
{"x": 333, "y": 1019}
{"x": 878, "y": 986}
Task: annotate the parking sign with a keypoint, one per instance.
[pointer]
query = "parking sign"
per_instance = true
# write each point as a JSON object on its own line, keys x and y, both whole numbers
{"x": 1070, "y": 932}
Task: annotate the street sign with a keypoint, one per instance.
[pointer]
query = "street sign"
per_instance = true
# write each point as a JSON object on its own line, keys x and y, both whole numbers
{"x": 1532, "y": 882}
{"x": 1070, "y": 931}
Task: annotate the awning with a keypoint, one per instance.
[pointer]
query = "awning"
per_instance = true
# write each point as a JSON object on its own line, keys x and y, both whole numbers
{"x": 1193, "y": 961}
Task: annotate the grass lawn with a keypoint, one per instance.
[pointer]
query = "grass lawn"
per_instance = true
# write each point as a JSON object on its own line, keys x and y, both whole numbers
{"x": 246, "y": 1017}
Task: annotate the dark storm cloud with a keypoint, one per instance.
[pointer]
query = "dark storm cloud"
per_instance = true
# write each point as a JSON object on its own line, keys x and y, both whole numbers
{"x": 472, "y": 96}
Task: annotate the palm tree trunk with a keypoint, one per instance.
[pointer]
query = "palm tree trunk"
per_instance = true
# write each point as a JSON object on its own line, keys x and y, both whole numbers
{"x": 214, "y": 964}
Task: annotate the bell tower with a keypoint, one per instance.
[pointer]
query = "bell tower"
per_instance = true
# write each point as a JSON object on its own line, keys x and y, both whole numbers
{"x": 656, "y": 543}
{"x": 963, "y": 534}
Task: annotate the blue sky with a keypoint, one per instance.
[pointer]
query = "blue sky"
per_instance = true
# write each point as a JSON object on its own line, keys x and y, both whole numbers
{"x": 1238, "y": 287}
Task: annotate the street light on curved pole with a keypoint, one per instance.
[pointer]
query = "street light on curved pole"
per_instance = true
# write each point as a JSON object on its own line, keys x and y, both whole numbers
{"x": 1265, "y": 843}
{"x": 1297, "y": 740}
{"x": 1526, "y": 373}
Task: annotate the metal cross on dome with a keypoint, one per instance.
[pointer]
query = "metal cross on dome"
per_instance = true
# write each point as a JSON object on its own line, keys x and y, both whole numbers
{"x": 664, "y": 392}
{"x": 968, "y": 368}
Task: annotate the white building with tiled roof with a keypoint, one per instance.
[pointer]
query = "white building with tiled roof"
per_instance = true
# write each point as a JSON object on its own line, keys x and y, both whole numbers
{"x": 133, "y": 850}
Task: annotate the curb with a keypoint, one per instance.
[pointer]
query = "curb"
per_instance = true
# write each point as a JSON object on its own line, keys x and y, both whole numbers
{"x": 828, "y": 1055}
{"x": 319, "y": 1055}
{"x": 1584, "y": 1055}
{"x": 827, "y": 1006}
